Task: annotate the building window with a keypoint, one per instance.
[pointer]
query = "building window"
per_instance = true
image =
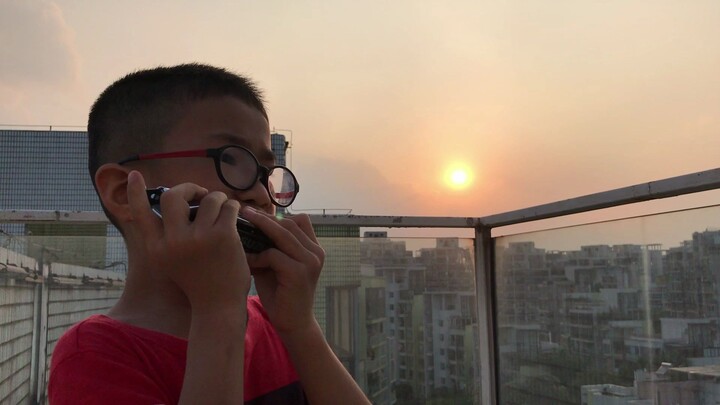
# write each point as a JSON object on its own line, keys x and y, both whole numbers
{"x": 375, "y": 302}
{"x": 340, "y": 319}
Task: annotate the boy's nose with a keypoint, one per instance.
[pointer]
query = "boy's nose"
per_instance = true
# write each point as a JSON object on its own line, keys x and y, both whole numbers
{"x": 256, "y": 197}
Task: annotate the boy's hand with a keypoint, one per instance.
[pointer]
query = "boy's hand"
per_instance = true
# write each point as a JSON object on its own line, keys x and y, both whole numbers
{"x": 203, "y": 257}
{"x": 286, "y": 276}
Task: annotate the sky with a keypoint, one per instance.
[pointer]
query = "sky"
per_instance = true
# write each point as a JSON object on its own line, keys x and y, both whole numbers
{"x": 538, "y": 100}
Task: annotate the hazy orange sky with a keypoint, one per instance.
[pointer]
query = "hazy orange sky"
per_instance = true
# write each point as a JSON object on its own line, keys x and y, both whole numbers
{"x": 543, "y": 100}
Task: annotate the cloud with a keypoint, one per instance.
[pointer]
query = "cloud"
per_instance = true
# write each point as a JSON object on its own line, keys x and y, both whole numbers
{"x": 37, "y": 47}
{"x": 40, "y": 70}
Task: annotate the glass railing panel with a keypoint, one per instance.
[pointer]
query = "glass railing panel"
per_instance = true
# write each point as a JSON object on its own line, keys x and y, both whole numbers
{"x": 400, "y": 314}
{"x": 625, "y": 310}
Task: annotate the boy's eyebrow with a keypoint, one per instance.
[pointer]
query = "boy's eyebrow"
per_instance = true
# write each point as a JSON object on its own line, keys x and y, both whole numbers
{"x": 264, "y": 155}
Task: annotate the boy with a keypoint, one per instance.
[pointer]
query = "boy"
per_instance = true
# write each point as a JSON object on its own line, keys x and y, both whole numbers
{"x": 184, "y": 330}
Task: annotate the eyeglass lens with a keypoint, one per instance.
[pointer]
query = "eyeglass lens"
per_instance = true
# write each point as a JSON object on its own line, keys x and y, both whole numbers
{"x": 240, "y": 168}
{"x": 282, "y": 187}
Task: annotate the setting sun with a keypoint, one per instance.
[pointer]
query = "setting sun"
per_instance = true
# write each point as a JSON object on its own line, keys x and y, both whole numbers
{"x": 458, "y": 177}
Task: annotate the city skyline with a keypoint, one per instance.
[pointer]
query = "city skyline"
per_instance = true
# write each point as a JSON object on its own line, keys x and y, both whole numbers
{"x": 604, "y": 318}
{"x": 542, "y": 101}
{"x": 410, "y": 318}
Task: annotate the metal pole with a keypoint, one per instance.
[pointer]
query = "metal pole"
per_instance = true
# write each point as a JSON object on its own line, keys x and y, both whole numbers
{"x": 42, "y": 353}
{"x": 38, "y": 362}
{"x": 484, "y": 252}
{"x": 34, "y": 385}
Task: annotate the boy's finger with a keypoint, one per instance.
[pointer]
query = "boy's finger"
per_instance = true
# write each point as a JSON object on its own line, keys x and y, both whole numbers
{"x": 301, "y": 227}
{"x": 293, "y": 242}
{"x": 174, "y": 204}
{"x": 228, "y": 216}
{"x": 209, "y": 209}
{"x": 229, "y": 212}
{"x": 303, "y": 222}
{"x": 139, "y": 205}
{"x": 308, "y": 241}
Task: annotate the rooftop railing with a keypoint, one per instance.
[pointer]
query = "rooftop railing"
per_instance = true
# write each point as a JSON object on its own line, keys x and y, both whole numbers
{"x": 555, "y": 316}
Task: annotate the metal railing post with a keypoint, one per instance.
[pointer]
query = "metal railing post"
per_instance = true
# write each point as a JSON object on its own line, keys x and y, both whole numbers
{"x": 484, "y": 251}
{"x": 38, "y": 362}
{"x": 33, "y": 388}
{"x": 43, "y": 352}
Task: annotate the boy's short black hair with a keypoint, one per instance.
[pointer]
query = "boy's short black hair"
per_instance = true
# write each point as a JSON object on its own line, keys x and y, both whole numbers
{"x": 134, "y": 114}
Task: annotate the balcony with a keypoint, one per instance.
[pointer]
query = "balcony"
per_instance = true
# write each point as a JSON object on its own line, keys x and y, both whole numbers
{"x": 517, "y": 348}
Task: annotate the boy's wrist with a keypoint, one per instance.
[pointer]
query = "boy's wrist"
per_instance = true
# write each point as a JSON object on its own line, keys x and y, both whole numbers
{"x": 209, "y": 302}
{"x": 300, "y": 337}
{"x": 213, "y": 312}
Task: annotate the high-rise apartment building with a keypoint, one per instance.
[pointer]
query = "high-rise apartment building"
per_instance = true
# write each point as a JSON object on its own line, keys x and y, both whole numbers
{"x": 47, "y": 170}
{"x": 431, "y": 312}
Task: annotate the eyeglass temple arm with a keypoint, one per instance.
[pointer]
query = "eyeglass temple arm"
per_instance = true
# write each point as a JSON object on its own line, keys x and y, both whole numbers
{"x": 170, "y": 155}
{"x": 129, "y": 159}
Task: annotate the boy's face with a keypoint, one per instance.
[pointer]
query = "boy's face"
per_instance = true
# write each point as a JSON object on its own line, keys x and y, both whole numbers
{"x": 212, "y": 123}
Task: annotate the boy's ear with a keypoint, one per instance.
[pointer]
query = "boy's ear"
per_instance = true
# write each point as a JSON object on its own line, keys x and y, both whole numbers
{"x": 111, "y": 183}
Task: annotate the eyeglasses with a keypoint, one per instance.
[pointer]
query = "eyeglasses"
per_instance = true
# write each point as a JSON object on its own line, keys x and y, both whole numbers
{"x": 239, "y": 169}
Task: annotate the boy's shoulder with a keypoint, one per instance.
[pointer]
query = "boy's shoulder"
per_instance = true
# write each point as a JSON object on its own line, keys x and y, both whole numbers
{"x": 103, "y": 343}
{"x": 110, "y": 338}
{"x": 100, "y": 358}
{"x": 101, "y": 333}
{"x": 87, "y": 334}
{"x": 98, "y": 331}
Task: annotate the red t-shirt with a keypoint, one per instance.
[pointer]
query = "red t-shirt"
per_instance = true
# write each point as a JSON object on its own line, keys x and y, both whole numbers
{"x": 104, "y": 361}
